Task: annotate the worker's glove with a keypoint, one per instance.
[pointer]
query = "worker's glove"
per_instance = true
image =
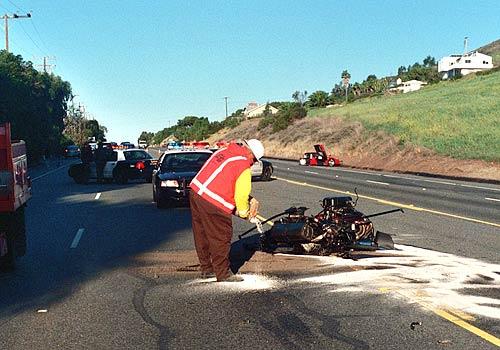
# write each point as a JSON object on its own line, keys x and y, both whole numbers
{"x": 254, "y": 208}
{"x": 257, "y": 223}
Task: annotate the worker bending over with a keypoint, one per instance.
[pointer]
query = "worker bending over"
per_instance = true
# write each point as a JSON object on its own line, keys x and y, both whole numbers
{"x": 221, "y": 188}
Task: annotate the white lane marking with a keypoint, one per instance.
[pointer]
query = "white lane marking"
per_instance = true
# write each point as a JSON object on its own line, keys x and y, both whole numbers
{"x": 492, "y": 199}
{"x": 481, "y": 187}
{"x": 377, "y": 182}
{"x": 414, "y": 179}
{"x": 49, "y": 172}
{"x": 311, "y": 172}
{"x": 77, "y": 238}
{"x": 97, "y": 196}
{"x": 356, "y": 171}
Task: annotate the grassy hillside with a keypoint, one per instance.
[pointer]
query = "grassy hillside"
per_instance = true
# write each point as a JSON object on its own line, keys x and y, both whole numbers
{"x": 493, "y": 50}
{"x": 459, "y": 118}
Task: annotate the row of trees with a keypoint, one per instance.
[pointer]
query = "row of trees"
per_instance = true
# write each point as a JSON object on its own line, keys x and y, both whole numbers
{"x": 344, "y": 91}
{"x": 36, "y": 105}
{"x": 197, "y": 128}
{"x": 189, "y": 128}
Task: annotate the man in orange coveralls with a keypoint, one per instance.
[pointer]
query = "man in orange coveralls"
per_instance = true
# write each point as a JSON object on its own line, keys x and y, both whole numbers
{"x": 221, "y": 188}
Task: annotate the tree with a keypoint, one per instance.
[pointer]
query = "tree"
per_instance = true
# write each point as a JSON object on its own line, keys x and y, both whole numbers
{"x": 300, "y": 97}
{"x": 429, "y": 61}
{"x": 318, "y": 99}
{"x": 34, "y": 103}
{"x": 146, "y": 136}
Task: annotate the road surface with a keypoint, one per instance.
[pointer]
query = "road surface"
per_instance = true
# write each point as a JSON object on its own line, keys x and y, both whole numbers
{"x": 106, "y": 269}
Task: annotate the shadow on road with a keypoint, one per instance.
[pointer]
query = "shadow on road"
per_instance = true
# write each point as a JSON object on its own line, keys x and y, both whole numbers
{"x": 122, "y": 223}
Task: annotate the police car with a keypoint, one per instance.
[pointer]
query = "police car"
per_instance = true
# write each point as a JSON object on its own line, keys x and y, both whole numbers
{"x": 121, "y": 166}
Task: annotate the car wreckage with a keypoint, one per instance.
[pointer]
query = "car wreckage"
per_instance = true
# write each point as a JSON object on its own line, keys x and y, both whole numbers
{"x": 337, "y": 229}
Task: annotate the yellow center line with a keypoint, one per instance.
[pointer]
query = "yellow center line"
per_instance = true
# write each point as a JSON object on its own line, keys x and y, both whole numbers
{"x": 461, "y": 323}
{"x": 261, "y": 218}
{"x": 397, "y": 204}
{"x": 454, "y": 316}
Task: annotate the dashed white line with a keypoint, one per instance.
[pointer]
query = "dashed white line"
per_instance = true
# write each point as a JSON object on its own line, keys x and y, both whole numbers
{"x": 77, "y": 238}
{"x": 377, "y": 182}
{"x": 97, "y": 196}
{"x": 311, "y": 172}
{"x": 481, "y": 187}
{"x": 49, "y": 172}
{"x": 492, "y": 199}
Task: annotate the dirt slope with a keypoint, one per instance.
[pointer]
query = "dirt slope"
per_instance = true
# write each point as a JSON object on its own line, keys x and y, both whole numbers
{"x": 356, "y": 147}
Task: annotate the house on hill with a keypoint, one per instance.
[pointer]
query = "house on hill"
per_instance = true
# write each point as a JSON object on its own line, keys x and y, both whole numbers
{"x": 253, "y": 110}
{"x": 451, "y": 66}
{"x": 407, "y": 86}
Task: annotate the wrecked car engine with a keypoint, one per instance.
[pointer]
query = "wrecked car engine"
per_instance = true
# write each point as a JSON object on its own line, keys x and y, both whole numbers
{"x": 337, "y": 229}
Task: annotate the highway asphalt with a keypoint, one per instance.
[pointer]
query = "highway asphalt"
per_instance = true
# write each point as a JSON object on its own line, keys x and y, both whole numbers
{"x": 106, "y": 269}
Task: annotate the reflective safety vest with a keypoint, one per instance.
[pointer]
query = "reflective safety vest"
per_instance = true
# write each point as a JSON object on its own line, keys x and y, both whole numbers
{"x": 216, "y": 180}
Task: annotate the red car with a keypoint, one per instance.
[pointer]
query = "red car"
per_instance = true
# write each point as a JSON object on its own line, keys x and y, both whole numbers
{"x": 320, "y": 157}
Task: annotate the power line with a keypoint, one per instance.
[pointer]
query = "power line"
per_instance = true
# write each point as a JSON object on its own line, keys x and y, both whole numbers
{"x": 12, "y": 3}
{"x": 6, "y": 18}
{"x": 33, "y": 41}
{"x": 39, "y": 35}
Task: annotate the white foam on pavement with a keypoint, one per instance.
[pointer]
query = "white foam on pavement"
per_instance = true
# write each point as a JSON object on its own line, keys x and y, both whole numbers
{"x": 250, "y": 282}
{"x": 438, "y": 279}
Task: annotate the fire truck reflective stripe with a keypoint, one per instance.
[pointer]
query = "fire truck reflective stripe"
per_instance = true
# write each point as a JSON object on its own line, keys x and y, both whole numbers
{"x": 77, "y": 238}
{"x": 212, "y": 195}
{"x": 217, "y": 171}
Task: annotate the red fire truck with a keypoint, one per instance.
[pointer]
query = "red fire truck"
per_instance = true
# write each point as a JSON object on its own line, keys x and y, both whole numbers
{"x": 15, "y": 191}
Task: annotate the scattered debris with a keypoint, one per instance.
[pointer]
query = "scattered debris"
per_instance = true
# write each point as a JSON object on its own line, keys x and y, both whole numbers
{"x": 444, "y": 342}
{"x": 413, "y": 324}
{"x": 42, "y": 311}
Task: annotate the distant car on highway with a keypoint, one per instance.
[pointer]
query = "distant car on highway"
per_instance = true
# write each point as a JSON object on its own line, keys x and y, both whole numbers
{"x": 122, "y": 166}
{"x": 173, "y": 174}
{"x": 72, "y": 151}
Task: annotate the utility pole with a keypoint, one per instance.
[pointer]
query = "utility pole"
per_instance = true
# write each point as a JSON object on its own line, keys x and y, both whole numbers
{"x": 46, "y": 66}
{"x": 225, "y": 98}
{"x": 6, "y": 17}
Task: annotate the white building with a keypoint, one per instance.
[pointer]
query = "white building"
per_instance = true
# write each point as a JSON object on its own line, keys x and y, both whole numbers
{"x": 465, "y": 64}
{"x": 408, "y": 86}
{"x": 253, "y": 110}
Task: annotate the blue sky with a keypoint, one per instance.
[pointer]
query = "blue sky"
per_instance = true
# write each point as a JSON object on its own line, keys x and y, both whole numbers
{"x": 142, "y": 65}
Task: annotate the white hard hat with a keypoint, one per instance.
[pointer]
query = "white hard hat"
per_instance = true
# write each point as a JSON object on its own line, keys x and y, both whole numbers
{"x": 257, "y": 148}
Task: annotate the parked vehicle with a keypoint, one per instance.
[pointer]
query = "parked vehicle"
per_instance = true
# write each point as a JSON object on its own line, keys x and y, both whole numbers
{"x": 127, "y": 145}
{"x": 72, "y": 151}
{"x": 320, "y": 157}
{"x": 122, "y": 166}
{"x": 173, "y": 174}
{"x": 15, "y": 191}
{"x": 262, "y": 170}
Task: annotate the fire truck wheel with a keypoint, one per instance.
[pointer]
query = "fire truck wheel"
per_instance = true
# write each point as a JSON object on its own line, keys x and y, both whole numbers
{"x": 13, "y": 226}
{"x": 8, "y": 261}
{"x": 20, "y": 227}
{"x": 331, "y": 163}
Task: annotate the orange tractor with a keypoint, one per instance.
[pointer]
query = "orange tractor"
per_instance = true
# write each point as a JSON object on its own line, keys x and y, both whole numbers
{"x": 320, "y": 157}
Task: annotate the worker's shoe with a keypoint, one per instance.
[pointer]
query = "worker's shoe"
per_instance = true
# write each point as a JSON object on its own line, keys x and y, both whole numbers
{"x": 207, "y": 274}
{"x": 231, "y": 277}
